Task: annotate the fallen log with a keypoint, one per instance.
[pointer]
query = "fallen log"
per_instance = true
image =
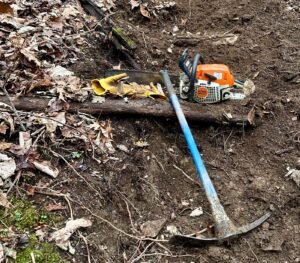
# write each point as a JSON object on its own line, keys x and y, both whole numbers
{"x": 213, "y": 114}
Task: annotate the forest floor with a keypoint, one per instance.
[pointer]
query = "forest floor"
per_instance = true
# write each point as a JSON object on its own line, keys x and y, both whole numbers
{"x": 133, "y": 185}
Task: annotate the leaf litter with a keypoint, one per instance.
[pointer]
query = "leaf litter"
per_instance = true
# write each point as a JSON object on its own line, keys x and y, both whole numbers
{"x": 39, "y": 41}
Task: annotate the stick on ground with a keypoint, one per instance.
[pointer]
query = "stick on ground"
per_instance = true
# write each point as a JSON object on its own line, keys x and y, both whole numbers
{"x": 211, "y": 114}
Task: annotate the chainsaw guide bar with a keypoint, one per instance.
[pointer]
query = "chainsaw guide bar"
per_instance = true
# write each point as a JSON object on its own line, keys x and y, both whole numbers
{"x": 142, "y": 77}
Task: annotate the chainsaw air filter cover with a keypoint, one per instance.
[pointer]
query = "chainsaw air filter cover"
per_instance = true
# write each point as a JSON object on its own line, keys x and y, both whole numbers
{"x": 207, "y": 91}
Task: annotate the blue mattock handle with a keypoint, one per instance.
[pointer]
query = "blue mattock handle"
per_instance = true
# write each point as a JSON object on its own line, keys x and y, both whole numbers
{"x": 202, "y": 172}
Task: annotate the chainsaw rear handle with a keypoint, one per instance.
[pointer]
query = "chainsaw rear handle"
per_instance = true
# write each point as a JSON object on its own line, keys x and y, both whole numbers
{"x": 185, "y": 63}
{"x": 190, "y": 69}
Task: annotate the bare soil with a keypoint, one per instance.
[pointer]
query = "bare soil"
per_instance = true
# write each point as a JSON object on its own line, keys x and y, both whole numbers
{"x": 245, "y": 165}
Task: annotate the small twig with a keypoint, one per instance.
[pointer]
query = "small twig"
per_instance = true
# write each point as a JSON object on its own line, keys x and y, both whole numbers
{"x": 116, "y": 228}
{"x": 199, "y": 232}
{"x": 286, "y": 150}
{"x": 144, "y": 40}
{"x": 136, "y": 250}
{"x": 58, "y": 183}
{"x": 190, "y": 9}
{"x": 165, "y": 248}
{"x": 258, "y": 261}
{"x": 74, "y": 170}
{"x": 146, "y": 47}
{"x": 186, "y": 175}
{"x": 38, "y": 137}
{"x": 129, "y": 202}
{"x": 87, "y": 246}
{"x": 32, "y": 257}
{"x": 38, "y": 131}
{"x": 152, "y": 186}
{"x": 225, "y": 142}
{"x": 13, "y": 107}
{"x": 142, "y": 254}
{"x": 15, "y": 181}
{"x": 57, "y": 194}
{"x": 130, "y": 217}
{"x": 108, "y": 222}
{"x": 70, "y": 207}
{"x": 202, "y": 37}
{"x": 218, "y": 167}
{"x": 159, "y": 163}
{"x": 167, "y": 255}
{"x": 228, "y": 31}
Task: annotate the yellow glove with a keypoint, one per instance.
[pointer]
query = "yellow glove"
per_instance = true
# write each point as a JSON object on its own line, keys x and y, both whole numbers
{"x": 110, "y": 84}
{"x": 114, "y": 85}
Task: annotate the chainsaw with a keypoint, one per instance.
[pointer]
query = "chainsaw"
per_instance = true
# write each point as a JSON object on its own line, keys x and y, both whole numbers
{"x": 207, "y": 83}
{"x": 198, "y": 82}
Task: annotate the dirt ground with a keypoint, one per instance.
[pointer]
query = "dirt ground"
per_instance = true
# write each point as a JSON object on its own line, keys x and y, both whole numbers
{"x": 246, "y": 166}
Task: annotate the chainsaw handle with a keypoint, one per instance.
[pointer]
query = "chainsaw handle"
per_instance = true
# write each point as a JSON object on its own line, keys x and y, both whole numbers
{"x": 185, "y": 64}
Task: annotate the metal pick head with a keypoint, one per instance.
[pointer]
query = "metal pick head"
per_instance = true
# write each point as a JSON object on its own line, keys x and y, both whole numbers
{"x": 232, "y": 233}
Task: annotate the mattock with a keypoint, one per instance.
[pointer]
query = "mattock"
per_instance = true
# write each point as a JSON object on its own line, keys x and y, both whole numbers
{"x": 225, "y": 229}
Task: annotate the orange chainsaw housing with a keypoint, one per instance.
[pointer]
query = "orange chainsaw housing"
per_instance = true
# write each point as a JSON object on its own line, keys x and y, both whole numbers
{"x": 220, "y": 71}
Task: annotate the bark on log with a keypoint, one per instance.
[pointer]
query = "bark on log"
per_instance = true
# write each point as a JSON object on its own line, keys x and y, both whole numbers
{"x": 213, "y": 114}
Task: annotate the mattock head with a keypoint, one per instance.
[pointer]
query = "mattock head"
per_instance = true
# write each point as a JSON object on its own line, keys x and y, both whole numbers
{"x": 225, "y": 231}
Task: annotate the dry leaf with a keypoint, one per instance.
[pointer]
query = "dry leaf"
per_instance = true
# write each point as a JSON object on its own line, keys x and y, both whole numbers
{"x": 141, "y": 144}
{"x": 51, "y": 124}
{"x": 26, "y": 30}
{"x": 16, "y": 40}
{"x": 55, "y": 207}
{"x": 144, "y": 11}
{"x": 69, "y": 133}
{"x": 25, "y": 140}
{"x": 7, "y": 166}
{"x": 122, "y": 148}
{"x": 71, "y": 87}
{"x": 248, "y": 87}
{"x": 5, "y": 8}
{"x": 165, "y": 5}
{"x": 3, "y": 128}
{"x": 5, "y": 146}
{"x": 2, "y": 255}
{"x": 17, "y": 150}
{"x": 229, "y": 39}
{"x": 9, "y": 120}
{"x": 56, "y": 22}
{"x": 40, "y": 83}
{"x": 152, "y": 228}
{"x": 14, "y": 22}
{"x": 3, "y": 200}
{"x": 196, "y": 212}
{"x": 117, "y": 66}
{"x": 105, "y": 5}
{"x": 59, "y": 71}
{"x": 47, "y": 168}
{"x": 62, "y": 236}
{"x": 30, "y": 190}
{"x": 134, "y": 4}
{"x": 55, "y": 105}
{"x": 295, "y": 175}
{"x": 30, "y": 56}
{"x": 251, "y": 116}
{"x": 70, "y": 11}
